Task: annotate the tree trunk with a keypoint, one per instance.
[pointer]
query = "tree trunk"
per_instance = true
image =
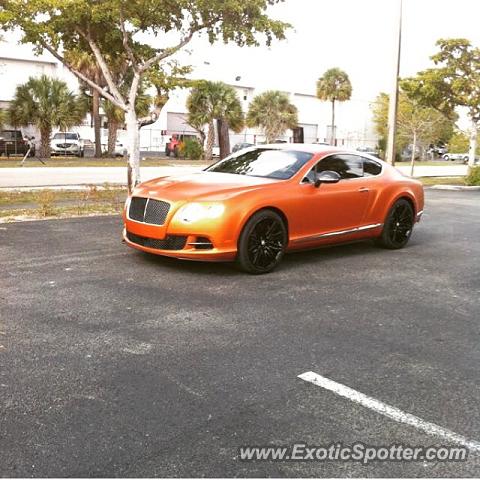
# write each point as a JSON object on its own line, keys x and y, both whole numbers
{"x": 473, "y": 144}
{"x": 332, "y": 139}
{"x": 96, "y": 123}
{"x": 112, "y": 137}
{"x": 414, "y": 150}
{"x": 44, "y": 151}
{"x": 210, "y": 141}
{"x": 223, "y": 138}
{"x": 133, "y": 148}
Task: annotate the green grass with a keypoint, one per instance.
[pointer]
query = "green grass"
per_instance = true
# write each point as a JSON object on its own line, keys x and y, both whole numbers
{"x": 97, "y": 162}
{"x": 430, "y": 181}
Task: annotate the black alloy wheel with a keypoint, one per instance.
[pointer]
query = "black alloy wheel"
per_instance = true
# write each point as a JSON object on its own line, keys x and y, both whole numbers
{"x": 262, "y": 242}
{"x": 398, "y": 226}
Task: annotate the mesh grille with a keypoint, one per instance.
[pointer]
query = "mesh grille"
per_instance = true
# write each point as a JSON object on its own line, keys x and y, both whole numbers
{"x": 148, "y": 210}
{"x": 137, "y": 208}
{"x": 171, "y": 242}
{"x": 156, "y": 212}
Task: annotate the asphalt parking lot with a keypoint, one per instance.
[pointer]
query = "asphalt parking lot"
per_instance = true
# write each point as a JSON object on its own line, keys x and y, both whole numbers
{"x": 116, "y": 363}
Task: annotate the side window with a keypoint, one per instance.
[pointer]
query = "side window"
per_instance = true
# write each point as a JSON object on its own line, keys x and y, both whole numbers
{"x": 371, "y": 168}
{"x": 347, "y": 166}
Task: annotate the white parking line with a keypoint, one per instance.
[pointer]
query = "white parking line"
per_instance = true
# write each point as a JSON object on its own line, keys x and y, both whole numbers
{"x": 389, "y": 411}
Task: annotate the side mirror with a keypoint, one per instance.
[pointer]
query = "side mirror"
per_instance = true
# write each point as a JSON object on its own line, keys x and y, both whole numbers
{"x": 327, "y": 176}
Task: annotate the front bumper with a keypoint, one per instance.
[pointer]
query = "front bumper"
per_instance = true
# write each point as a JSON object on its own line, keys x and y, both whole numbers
{"x": 188, "y": 248}
{"x": 71, "y": 150}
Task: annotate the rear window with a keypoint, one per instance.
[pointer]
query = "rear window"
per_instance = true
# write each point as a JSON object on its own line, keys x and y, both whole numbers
{"x": 371, "y": 168}
{"x": 11, "y": 135}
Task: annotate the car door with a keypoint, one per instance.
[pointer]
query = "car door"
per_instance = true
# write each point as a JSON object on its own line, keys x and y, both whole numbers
{"x": 335, "y": 207}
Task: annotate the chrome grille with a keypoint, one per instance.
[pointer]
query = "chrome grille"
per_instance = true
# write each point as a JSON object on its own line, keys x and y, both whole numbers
{"x": 156, "y": 212}
{"x": 137, "y": 208}
{"x": 148, "y": 210}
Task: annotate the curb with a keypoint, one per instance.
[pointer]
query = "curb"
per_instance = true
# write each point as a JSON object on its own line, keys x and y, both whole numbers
{"x": 455, "y": 187}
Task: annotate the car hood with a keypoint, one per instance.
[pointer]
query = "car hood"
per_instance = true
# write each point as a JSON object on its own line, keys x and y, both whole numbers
{"x": 207, "y": 186}
{"x": 59, "y": 141}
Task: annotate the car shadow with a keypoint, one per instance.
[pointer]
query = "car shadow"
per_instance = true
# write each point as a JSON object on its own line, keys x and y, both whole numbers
{"x": 291, "y": 261}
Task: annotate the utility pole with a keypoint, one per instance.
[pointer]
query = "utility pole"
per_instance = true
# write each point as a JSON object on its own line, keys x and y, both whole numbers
{"x": 392, "y": 108}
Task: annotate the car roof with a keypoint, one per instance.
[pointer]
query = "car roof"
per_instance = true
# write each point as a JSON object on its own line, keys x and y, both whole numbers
{"x": 318, "y": 149}
{"x": 312, "y": 148}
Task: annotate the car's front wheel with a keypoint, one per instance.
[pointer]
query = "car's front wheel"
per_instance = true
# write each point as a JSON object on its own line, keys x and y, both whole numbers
{"x": 262, "y": 242}
{"x": 398, "y": 225}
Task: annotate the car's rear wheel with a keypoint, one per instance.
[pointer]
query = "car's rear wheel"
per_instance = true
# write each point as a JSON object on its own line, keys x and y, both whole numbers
{"x": 398, "y": 225}
{"x": 262, "y": 242}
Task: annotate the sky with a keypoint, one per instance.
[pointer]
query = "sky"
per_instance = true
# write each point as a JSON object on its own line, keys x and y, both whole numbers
{"x": 358, "y": 36}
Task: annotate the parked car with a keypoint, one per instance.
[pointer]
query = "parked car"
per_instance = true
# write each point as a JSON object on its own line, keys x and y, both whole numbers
{"x": 12, "y": 142}
{"x": 241, "y": 146}
{"x": 67, "y": 143}
{"x": 173, "y": 146}
{"x": 119, "y": 151}
{"x": 368, "y": 151}
{"x": 255, "y": 205}
{"x": 463, "y": 157}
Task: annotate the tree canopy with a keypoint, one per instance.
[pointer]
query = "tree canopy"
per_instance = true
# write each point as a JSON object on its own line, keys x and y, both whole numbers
{"x": 334, "y": 85}
{"x": 125, "y": 29}
{"x": 453, "y": 82}
{"x": 416, "y": 123}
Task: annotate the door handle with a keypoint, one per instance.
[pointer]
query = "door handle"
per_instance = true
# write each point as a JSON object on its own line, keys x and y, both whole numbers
{"x": 363, "y": 189}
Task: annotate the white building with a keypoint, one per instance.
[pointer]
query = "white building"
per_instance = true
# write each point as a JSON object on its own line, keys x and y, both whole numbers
{"x": 19, "y": 62}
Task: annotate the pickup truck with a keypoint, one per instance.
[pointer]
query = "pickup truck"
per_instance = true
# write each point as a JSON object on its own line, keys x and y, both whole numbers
{"x": 12, "y": 142}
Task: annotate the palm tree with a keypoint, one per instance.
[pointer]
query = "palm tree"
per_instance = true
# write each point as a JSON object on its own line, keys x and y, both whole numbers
{"x": 46, "y": 103}
{"x": 210, "y": 101}
{"x": 86, "y": 64}
{"x": 334, "y": 86}
{"x": 273, "y": 113}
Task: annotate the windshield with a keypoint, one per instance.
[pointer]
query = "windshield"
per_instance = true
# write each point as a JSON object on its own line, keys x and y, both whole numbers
{"x": 65, "y": 136}
{"x": 262, "y": 162}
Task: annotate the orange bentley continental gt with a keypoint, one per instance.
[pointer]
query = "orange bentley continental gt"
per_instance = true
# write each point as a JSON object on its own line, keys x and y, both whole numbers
{"x": 263, "y": 201}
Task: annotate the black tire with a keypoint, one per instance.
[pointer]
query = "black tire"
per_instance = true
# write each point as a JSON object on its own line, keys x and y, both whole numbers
{"x": 398, "y": 226}
{"x": 262, "y": 242}
{"x": 167, "y": 152}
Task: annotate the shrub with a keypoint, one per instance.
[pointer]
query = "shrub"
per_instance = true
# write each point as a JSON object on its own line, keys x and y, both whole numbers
{"x": 473, "y": 177}
{"x": 192, "y": 149}
{"x": 46, "y": 203}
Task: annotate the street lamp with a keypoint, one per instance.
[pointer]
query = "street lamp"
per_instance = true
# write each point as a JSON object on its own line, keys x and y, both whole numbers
{"x": 393, "y": 104}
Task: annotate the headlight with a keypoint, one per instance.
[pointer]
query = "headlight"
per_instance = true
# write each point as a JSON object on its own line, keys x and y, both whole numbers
{"x": 192, "y": 212}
